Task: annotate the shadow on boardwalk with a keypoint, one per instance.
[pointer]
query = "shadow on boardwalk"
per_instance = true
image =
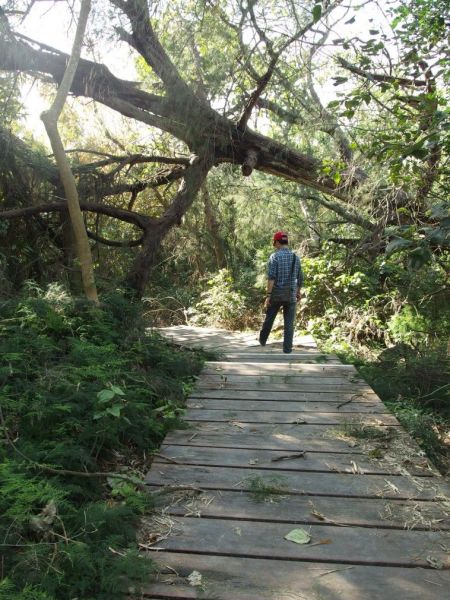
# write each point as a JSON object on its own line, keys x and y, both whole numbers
{"x": 276, "y": 443}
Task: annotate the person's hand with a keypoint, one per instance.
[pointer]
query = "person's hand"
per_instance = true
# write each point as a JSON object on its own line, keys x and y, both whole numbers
{"x": 267, "y": 302}
{"x": 298, "y": 296}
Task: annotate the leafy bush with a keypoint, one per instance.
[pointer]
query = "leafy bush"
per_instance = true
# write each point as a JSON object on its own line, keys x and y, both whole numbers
{"x": 222, "y": 304}
{"x": 83, "y": 391}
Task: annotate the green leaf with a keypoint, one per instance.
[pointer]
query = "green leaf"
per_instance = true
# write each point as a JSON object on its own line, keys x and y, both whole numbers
{"x": 418, "y": 258}
{"x": 397, "y": 244}
{"x": 440, "y": 210}
{"x": 117, "y": 390}
{"x": 317, "y": 12}
{"x": 114, "y": 410}
{"x": 299, "y": 536}
{"x": 105, "y": 396}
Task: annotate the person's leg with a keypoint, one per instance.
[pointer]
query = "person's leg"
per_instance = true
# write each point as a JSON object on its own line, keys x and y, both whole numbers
{"x": 289, "y": 318}
{"x": 266, "y": 328}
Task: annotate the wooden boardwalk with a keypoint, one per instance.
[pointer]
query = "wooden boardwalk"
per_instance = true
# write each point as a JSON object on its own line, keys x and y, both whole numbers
{"x": 276, "y": 443}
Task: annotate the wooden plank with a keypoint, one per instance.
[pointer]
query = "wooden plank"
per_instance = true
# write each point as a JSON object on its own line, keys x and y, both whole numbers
{"x": 287, "y": 379}
{"x": 315, "y": 395}
{"x": 285, "y": 461}
{"x": 308, "y": 510}
{"x": 228, "y": 578}
{"x": 283, "y": 437}
{"x": 329, "y": 543}
{"x": 331, "y": 384}
{"x": 298, "y": 432}
{"x": 296, "y": 417}
{"x": 258, "y": 438}
{"x": 338, "y": 406}
{"x": 281, "y": 369}
{"x": 303, "y": 483}
{"x": 311, "y": 357}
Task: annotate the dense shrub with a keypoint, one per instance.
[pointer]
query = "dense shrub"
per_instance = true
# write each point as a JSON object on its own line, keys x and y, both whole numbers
{"x": 83, "y": 390}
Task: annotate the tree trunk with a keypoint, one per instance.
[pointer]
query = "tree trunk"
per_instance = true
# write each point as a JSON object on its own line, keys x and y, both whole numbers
{"x": 154, "y": 233}
{"x": 213, "y": 229}
{"x": 50, "y": 120}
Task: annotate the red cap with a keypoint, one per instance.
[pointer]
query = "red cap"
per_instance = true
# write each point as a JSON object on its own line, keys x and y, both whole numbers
{"x": 280, "y": 236}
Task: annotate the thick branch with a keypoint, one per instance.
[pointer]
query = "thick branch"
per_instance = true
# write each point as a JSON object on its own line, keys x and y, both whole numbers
{"x": 144, "y": 40}
{"x": 114, "y": 243}
{"x": 141, "y": 221}
{"x": 132, "y": 159}
{"x": 349, "y": 215}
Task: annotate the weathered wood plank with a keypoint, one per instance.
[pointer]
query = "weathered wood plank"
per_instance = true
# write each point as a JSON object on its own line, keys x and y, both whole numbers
{"x": 228, "y": 578}
{"x": 337, "y": 406}
{"x": 294, "y": 431}
{"x": 303, "y": 483}
{"x": 315, "y": 395}
{"x": 310, "y": 357}
{"x": 258, "y": 438}
{"x": 329, "y": 543}
{"x": 287, "y": 379}
{"x": 286, "y": 461}
{"x": 330, "y": 385}
{"x": 257, "y": 369}
{"x": 296, "y": 417}
{"x": 307, "y": 510}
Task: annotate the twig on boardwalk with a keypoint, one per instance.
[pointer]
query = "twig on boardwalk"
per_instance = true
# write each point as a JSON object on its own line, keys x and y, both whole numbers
{"x": 176, "y": 488}
{"x": 300, "y": 454}
{"x": 344, "y": 403}
{"x": 171, "y": 460}
{"x": 334, "y": 571}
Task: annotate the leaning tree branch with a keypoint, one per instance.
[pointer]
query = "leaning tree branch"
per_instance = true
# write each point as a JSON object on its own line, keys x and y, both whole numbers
{"x": 131, "y": 160}
{"x": 141, "y": 221}
{"x": 50, "y": 119}
{"x": 381, "y": 77}
{"x": 115, "y": 243}
{"x": 144, "y": 41}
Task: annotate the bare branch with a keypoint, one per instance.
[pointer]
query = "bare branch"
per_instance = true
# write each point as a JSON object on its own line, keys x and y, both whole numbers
{"x": 379, "y": 77}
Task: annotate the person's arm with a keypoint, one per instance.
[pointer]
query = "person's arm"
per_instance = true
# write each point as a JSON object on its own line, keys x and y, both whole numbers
{"x": 299, "y": 280}
{"x": 271, "y": 278}
{"x": 270, "y": 284}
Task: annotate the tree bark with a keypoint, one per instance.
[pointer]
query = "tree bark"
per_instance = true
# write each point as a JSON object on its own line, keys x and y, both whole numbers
{"x": 50, "y": 120}
{"x": 213, "y": 229}
{"x": 155, "y": 232}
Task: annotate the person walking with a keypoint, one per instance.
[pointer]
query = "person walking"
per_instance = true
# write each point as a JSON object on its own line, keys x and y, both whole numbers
{"x": 284, "y": 281}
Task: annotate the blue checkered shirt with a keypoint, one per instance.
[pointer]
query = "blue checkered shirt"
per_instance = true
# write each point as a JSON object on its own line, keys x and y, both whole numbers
{"x": 279, "y": 269}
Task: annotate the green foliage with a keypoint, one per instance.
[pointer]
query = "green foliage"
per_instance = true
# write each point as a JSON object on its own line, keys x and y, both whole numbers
{"x": 223, "y": 303}
{"x": 265, "y": 489}
{"x": 83, "y": 390}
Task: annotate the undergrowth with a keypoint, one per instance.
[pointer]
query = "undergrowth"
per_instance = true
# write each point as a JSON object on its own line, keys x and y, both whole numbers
{"x": 414, "y": 384}
{"x": 83, "y": 391}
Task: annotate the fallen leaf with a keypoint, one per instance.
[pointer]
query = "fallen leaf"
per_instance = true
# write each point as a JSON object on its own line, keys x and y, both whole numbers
{"x": 435, "y": 562}
{"x": 253, "y": 461}
{"x": 195, "y": 579}
{"x": 299, "y": 536}
{"x": 237, "y": 424}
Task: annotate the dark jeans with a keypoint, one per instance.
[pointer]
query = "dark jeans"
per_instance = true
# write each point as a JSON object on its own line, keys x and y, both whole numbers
{"x": 288, "y": 316}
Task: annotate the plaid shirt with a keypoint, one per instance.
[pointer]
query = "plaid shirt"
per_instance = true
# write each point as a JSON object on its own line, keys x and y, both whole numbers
{"x": 279, "y": 270}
